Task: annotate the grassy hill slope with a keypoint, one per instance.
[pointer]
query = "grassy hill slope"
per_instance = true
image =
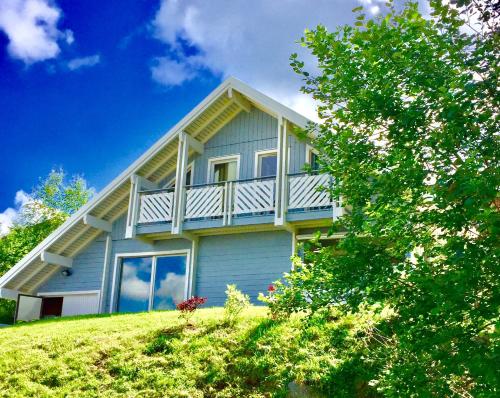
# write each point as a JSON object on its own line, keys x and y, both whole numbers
{"x": 158, "y": 355}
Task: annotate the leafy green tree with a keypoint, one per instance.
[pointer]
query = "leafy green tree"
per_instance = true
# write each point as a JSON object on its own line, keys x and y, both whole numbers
{"x": 52, "y": 202}
{"x": 410, "y": 134}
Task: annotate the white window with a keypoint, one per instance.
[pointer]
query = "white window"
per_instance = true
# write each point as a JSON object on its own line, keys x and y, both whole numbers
{"x": 226, "y": 168}
{"x": 266, "y": 163}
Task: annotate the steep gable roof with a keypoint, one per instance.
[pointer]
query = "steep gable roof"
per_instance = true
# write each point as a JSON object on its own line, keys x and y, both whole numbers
{"x": 222, "y": 105}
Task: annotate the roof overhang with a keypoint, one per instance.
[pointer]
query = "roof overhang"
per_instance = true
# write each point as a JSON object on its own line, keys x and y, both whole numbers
{"x": 229, "y": 99}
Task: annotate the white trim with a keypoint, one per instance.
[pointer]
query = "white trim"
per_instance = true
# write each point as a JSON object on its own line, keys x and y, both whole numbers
{"x": 192, "y": 270}
{"x": 273, "y": 107}
{"x": 259, "y": 155}
{"x": 153, "y": 255}
{"x": 69, "y": 293}
{"x": 222, "y": 159}
{"x": 107, "y": 258}
{"x": 180, "y": 182}
{"x": 310, "y": 149}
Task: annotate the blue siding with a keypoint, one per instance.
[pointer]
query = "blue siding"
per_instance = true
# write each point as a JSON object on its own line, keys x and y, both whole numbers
{"x": 244, "y": 135}
{"x": 297, "y": 155}
{"x": 250, "y": 260}
{"x": 87, "y": 272}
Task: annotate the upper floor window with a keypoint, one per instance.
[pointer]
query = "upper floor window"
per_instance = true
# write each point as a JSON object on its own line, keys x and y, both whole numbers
{"x": 266, "y": 163}
{"x": 312, "y": 158}
{"x": 224, "y": 169}
{"x": 189, "y": 178}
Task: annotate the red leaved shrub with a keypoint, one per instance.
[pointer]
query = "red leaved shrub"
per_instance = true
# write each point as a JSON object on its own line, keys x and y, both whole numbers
{"x": 187, "y": 307}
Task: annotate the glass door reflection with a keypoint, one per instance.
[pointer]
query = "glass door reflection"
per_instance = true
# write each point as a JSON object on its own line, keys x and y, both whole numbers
{"x": 169, "y": 282}
{"x": 135, "y": 284}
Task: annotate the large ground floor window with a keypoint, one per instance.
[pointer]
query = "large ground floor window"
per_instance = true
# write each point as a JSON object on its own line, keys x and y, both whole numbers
{"x": 152, "y": 282}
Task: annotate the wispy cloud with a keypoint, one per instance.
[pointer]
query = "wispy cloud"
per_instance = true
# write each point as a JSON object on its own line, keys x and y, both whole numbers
{"x": 84, "y": 62}
{"x": 31, "y": 27}
{"x": 169, "y": 72}
{"x": 10, "y": 215}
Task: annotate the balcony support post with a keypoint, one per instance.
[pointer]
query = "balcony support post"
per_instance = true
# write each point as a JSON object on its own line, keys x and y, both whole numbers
{"x": 180, "y": 182}
{"x": 137, "y": 183}
{"x": 281, "y": 173}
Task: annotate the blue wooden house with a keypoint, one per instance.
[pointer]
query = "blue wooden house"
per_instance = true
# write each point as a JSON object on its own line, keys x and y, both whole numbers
{"x": 221, "y": 198}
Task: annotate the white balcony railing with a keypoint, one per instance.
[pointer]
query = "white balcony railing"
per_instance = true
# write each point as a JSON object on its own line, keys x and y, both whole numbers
{"x": 236, "y": 198}
{"x": 156, "y": 206}
{"x": 305, "y": 191}
{"x": 254, "y": 196}
{"x": 204, "y": 201}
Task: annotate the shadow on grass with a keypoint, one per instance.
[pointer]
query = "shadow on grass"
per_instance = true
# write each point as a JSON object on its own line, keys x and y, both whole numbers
{"x": 242, "y": 365}
{"x": 162, "y": 340}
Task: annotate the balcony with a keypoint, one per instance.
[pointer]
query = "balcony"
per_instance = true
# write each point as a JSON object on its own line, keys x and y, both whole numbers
{"x": 237, "y": 203}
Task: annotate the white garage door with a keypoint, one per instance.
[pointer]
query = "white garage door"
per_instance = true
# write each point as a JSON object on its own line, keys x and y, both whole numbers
{"x": 80, "y": 304}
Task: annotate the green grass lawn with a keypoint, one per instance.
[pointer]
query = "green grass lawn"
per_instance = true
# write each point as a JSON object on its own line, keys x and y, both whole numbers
{"x": 157, "y": 355}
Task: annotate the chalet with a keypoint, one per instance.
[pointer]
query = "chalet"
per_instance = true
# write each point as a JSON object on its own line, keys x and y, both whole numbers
{"x": 221, "y": 198}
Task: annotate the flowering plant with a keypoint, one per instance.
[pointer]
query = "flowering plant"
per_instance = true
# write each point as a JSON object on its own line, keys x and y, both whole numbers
{"x": 187, "y": 307}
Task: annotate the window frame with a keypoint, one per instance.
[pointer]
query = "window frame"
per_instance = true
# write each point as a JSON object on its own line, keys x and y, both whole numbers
{"x": 219, "y": 160}
{"x": 190, "y": 167}
{"x": 115, "y": 288}
{"x": 257, "y": 163}
{"x": 310, "y": 150}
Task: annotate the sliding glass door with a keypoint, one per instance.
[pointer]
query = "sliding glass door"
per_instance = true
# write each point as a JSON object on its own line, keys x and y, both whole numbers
{"x": 170, "y": 282}
{"x": 156, "y": 282}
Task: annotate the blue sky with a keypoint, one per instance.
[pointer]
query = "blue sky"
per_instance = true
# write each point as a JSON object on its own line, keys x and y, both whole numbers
{"x": 90, "y": 85}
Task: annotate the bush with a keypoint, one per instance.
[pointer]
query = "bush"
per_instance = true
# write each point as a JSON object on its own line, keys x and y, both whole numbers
{"x": 235, "y": 303}
{"x": 7, "y": 310}
{"x": 189, "y": 306}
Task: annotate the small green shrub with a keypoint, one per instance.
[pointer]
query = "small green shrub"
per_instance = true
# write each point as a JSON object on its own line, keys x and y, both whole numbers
{"x": 236, "y": 302}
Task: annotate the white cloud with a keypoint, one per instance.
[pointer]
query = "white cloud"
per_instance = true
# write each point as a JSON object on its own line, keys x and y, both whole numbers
{"x": 251, "y": 42}
{"x": 170, "y": 72}
{"x": 132, "y": 287}
{"x": 10, "y": 215}
{"x": 171, "y": 287}
{"x": 84, "y": 62}
{"x": 31, "y": 27}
